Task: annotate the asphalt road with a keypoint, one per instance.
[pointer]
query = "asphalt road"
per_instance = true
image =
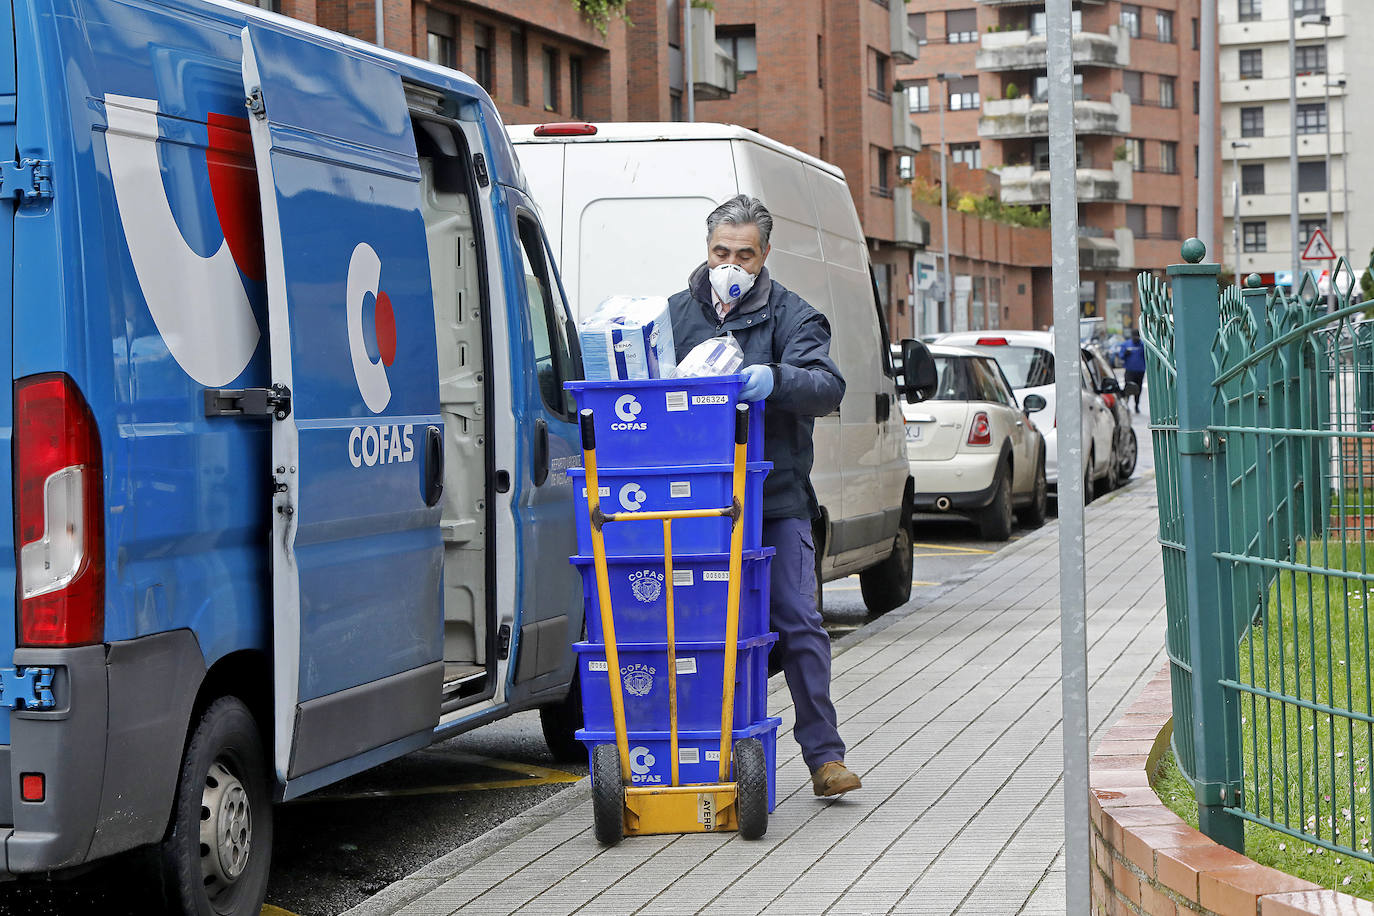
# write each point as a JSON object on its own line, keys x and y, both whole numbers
{"x": 335, "y": 848}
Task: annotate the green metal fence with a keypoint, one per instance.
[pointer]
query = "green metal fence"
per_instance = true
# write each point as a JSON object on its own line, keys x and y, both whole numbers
{"x": 1262, "y": 410}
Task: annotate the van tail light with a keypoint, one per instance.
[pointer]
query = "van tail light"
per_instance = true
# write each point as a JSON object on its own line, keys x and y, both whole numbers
{"x": 980, "y": 433}
{"x": 59, "y": 514}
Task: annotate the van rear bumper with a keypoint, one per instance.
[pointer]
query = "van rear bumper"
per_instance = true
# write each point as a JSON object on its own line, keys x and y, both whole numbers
{"x": 109, "y": 751}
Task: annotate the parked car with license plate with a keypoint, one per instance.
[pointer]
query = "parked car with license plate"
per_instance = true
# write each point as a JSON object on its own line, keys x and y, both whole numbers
{"x": 972, "y": 449}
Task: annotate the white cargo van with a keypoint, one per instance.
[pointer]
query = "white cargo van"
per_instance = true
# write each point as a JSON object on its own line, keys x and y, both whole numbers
{"x": 625, "y": 207}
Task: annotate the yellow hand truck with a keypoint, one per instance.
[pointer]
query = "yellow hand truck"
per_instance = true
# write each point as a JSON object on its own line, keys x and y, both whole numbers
{"x": 618, "y": 806}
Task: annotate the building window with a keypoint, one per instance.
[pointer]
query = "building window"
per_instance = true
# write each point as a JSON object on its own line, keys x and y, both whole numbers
{"x": 1197, "y": 98}
{"x": 1135, "y": 219}
{"x": 879, "y": 81}
{"x": 575, "y": 88}
{"x": 1134, "y": 83}
{"x": 1166, "y": 92}
{"x": 740, "y": 45}
{"x": 1308, "y": 228}
{"x": 1309, "y": 7}
{"x": 675, "y": 108}
{"x": 917, "y": 23}
{"x": 967, "y": 153}
{"x": 1168, "y": 157}
{"x": 918, "y": 97}
{"x": 519, "y": 69}
{"x": 1130, "y": 19}
{"x": 1312, "y": 118}
{"x": 1252, "y": 179}
{"x": 1041, "y": 88}
{"x": 1135, "y": 153}
{"x": 820, "y": 61}
{"x": 1168, "y": 222}
{"x": 1310, "y": 59}
{"x": 483, "y": 51}
{"x": 442, "y": 40}
{"x": 550, "y": 79}
{"x": 882, "y": 168}
{"x": 1252, "y": 235}
{"x": 961, "y": 26}
{"x": 906, "y": 168}
{"x": 1251, "y": 64}
{"x": 1252, "y": 122}
{"x": 963, "y": 94}
{"x": 1038, "y": 22}
{"x": 1248, "y": 10}
{"x": 1311, "y": 176}
{"x": 1195, "y": 34}
{"x": 1164, "y": 26}
{"x": 1040, "y": 155}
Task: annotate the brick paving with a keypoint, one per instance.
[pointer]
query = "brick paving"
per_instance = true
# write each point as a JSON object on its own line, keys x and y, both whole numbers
{"x": 951, "y": 710}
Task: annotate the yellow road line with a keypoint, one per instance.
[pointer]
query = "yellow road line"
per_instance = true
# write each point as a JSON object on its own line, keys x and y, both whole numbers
{"x": 534, "y": 775}
{"x": 944, "y": 548}
{"x": 270, "y": 910}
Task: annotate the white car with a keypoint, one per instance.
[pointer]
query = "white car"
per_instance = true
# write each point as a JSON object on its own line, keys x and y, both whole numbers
{"x": 972, "y": 450}
{"x": 1027, "y": 359}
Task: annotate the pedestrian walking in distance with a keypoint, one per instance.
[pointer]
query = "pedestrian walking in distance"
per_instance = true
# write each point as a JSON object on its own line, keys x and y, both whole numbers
{"x": 786, "y": 346}
{"x": 1134, "y": 359}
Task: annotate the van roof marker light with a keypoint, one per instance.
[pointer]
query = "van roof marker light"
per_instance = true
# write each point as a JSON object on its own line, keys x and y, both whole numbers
{"x": 565, "y": 129}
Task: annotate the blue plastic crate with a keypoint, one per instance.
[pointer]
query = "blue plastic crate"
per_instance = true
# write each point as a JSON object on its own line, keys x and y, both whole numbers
{"x": 639, "y": 597}
{"x": 664, "y": 489}
{"x": 698, "y": 754}
{"x": 700, "y": 683}
{"x": 658, "y": 422}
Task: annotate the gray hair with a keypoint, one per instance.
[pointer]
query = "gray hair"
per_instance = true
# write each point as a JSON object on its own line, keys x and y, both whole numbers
{"x": 742, "y": 210}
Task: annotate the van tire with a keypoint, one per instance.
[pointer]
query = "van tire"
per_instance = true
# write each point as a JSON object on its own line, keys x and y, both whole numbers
{"x": 223, "y": 788}
{"x": 995, "y": 522}
{"x": 560, "y": 722}
{"x": 888, "y": 585}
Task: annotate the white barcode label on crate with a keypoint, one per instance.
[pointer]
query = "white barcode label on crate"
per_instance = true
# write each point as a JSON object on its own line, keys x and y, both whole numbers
{"x": 604, "y": 491}
{"x": 682, "y": 577}
{"x": 680, "y": 489}
{"x": 715, "y": 575}
{"x": 686, "y": 666}
{"x": 713, "y": 756}
{"x": 710, "y": 399}
{"x": 689, "y": 755}
{"x": 598, "y": 666}
{"x": 675, "y": 401}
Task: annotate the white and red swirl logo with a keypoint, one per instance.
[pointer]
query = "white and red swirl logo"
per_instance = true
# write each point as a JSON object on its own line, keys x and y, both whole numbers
{"x": 371, "y": 327}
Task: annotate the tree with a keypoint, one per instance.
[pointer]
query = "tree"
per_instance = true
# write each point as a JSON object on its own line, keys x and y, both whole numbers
{"x": 1367, "y": 281}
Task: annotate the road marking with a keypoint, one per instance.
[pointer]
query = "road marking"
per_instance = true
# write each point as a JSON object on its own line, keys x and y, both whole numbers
{"x": 533, "y": 775}
{"x": 270, "y": 910}
{"x": 945, "y": 548}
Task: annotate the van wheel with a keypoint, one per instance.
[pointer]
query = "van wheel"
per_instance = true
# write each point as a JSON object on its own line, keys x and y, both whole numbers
{"x": 560, "y": 722}
{"x": 995, "y": 522}
{"x": 888, "y": 585}
{"x": 218, "y": 848}
{"x": 1033, "y": 515}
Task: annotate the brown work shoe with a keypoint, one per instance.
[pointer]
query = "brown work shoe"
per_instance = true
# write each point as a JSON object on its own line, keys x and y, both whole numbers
{"x": 833, "y": 778}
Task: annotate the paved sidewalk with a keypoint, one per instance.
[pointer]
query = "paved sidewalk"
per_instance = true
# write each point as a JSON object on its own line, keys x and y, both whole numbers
{"x": 951, "y": 710}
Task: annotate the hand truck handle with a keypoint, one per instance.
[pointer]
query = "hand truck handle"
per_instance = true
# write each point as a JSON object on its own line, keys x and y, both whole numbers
{"x": 741, "y": 424}
{"x": 589, "y": 430}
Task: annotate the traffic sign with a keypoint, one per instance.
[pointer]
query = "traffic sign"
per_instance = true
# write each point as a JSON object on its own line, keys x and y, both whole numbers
{"x": 1318, "y": 248}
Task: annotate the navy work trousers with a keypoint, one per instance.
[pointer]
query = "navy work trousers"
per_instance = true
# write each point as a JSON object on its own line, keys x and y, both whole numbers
{"x": 803, "y": 644}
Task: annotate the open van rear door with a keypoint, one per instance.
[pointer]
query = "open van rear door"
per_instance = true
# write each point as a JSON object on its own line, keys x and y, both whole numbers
{"x": 357, "y": 453}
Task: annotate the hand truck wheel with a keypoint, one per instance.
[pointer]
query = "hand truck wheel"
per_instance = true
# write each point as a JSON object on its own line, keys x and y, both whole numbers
{"x": 608, "y": 795}
{"x": 751, "y": 788}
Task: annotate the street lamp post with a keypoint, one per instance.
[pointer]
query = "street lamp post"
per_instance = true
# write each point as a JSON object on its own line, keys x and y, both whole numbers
{"x": 1293, "y": 146}
{"x": 1235, "y": 213}
{"x": 1345, "y": 173}
{"x": 1325, "y": 22}
{"x": 948, "y": 318}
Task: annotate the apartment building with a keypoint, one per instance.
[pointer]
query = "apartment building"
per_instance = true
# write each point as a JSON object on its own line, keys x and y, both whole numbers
{"x": 1257, "y": 131}
{"x": 1136, "y": 99}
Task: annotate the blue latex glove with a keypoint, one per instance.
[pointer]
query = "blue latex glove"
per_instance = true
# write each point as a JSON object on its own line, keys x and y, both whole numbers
{"x": 758, "y": 383}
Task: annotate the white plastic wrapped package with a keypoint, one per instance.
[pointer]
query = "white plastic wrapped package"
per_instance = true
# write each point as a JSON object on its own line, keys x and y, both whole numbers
{"x": 717, "y": 356}
{"x": 628, "y": 337}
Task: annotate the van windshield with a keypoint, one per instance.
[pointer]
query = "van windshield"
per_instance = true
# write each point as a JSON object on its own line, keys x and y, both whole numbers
{"x": 1024, "y": 367}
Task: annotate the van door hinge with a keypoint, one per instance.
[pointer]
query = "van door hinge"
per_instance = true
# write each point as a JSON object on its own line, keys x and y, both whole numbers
{"x": 26, "y": 180}
{"x": 248, "y": 402}
{"x": 503, "y": 642}
{"x": 479, "y": 165}
{"x": 26, "y": 688}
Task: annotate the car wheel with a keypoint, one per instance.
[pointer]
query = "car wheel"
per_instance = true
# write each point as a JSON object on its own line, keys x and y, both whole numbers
{"x": 996, "y": 520}
{"x": 888, "y": 585}
{"x": 216, "y": 854}
{"x": 1129, "y": 453}
{"x": 1033, "y": 515}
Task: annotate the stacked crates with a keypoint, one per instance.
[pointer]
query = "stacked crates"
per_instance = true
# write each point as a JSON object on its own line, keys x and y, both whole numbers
{"x": 664, "y": 445}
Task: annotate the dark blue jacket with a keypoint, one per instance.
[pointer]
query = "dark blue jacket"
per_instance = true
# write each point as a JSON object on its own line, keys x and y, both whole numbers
{"x": 1133, "y": 355}
{"x": 774, "y": 327}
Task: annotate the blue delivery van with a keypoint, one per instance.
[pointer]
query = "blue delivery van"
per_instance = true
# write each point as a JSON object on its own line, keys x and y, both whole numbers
{"x": 288, "y": 433}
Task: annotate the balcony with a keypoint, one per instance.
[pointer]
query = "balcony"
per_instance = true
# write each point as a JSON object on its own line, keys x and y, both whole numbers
{"x": 713, "y": 71}
{"x": 905, "y": 46}
{"x": 906, "y": 136}
{"x": 908, "y": 229}
{"x": 1009, "y": 119}
{"x": 1024, "y": 51}
{"x": 1099, "y": 252}
{"x": 1023, "y": 184}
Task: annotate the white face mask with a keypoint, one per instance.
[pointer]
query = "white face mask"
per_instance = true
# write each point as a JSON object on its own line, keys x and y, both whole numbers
{"x": 731, "y": 282}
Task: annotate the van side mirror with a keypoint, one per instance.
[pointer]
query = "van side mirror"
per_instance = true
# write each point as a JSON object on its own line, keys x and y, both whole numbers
{"x": 1033, "y": 403}
{"x": 919, "y": 376}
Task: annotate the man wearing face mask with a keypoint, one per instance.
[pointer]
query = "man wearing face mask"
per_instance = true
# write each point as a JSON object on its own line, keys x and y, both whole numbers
{"x": 786, "y": 346}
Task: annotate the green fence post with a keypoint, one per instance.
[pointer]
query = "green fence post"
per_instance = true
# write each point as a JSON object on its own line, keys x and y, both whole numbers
{"x": 1202, "y": 488}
